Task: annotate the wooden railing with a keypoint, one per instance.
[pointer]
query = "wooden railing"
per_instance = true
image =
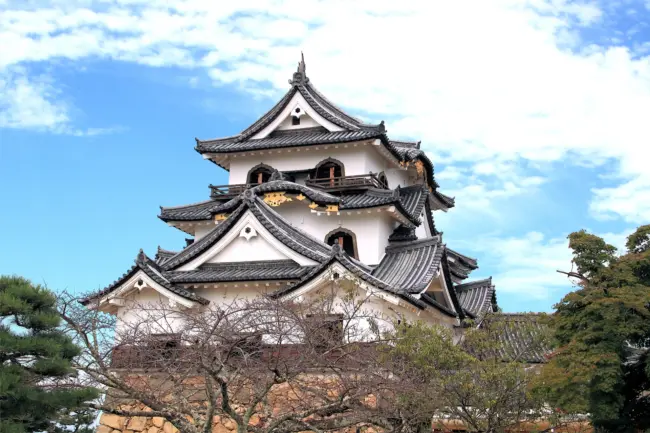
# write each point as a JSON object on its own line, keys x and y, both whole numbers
{"x": 348, "y": 182}
{"x": 229, "y": 191}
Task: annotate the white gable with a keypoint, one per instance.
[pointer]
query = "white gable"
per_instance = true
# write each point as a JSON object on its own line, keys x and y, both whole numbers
{"x": 137, "y": 283}
{"x": 312, "y": 118}
{"x": 247, "y": 240}
{"x": 305, "y": 122}
{"x": 248, "y": 250}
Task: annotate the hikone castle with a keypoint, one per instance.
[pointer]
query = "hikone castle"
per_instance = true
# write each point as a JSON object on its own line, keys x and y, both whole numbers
{"x": 313, "y": 193}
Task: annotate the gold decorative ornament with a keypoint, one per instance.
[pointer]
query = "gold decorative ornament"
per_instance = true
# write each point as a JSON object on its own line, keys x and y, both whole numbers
{"x": 220, "y": 216}
{"x": 419, "y": 166}
{"x": 313, "y": 205}
{"x": 300, "y": 197}
{"x": 332, "y": 208}
{"x": 275, "y": 198}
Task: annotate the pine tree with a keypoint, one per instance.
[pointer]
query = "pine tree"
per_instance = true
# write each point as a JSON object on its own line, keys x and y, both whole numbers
{"x": 36, "y": 377}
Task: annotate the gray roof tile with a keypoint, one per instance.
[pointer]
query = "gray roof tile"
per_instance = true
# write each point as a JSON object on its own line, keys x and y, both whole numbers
{"x": 153, "y": 271}
{"x": 241, "y": 271}
{"x": 409, "y": 200}
{"x": 410, "y": 265}
{"x": 522, "y": 336}
{"x": 290, "y": 140}
{"x": 274, "y": 223}
{"x": 477, "y": 297}
{"x": 403, "y": 234}
{"x": 197, "y": 211}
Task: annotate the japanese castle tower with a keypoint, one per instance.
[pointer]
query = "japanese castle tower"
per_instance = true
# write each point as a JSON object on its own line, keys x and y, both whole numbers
{"x": 314, "y": 194}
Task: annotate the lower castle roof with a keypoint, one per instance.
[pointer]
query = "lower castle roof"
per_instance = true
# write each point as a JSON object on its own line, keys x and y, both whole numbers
{"x": 406, "y": 269}
{"x": 409, "y": 200}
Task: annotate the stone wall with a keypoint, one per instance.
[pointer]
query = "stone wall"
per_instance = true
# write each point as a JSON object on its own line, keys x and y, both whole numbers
{"x": 109, "y": 423}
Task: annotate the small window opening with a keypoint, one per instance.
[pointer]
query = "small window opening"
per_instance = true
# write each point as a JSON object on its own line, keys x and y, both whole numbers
{"x": 295, "y": 120}
{"x": 259, "y": 175}
{"x": 346, "y": 241}
{"x": 329, "y": 169}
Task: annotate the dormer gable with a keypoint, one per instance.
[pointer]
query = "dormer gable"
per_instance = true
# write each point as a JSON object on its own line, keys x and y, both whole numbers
{"x": 297, "y": 115}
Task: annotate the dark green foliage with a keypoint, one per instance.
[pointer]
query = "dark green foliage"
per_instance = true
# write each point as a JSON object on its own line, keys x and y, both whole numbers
{"x": 596, "y": 326}
{"x": 79, "y": 421}
{"x": 36, "y": 379}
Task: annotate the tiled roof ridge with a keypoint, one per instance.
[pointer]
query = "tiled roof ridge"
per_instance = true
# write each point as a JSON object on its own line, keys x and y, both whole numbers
{"x": 408, "y": 245}
{"x": 163, "y": 251}
{"x": 256, "y": 263}
{"x": 259, "y": 209}
{"x": 186, "y": 205}
{"x": 163, "y": 255}
{"x": 403, "y": 198}
{"x": 269, "y": 116}
{"x": 287, "y": 141}
{"x": 153, "y": 271}
{"x": 286, "y": 185}
{"x": 475, "y": 284}
{"x": 403, "y": 143}
{"x": 338, "y": 255}
{"x": 338, "y": 112}
{"x": 470, "y": 261}
{"x": 198, "y": 247}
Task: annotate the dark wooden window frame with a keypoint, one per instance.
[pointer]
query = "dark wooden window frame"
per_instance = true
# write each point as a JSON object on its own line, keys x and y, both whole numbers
{"x": 258, "y": 168}
{"x": 355, "y": 246}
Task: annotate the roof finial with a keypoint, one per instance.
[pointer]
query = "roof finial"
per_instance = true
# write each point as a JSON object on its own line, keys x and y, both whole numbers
{"x": 301, "y": 65}
{"x": 300, "y": 76}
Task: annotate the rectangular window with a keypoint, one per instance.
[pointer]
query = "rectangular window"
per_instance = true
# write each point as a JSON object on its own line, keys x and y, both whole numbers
{"x": 295, "y": 120}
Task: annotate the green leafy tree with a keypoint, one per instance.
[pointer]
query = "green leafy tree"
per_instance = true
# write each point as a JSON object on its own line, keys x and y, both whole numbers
{"x": 37, "y": 383}
{"x": 483, "y": 381}
{"x": 602, "y": 331}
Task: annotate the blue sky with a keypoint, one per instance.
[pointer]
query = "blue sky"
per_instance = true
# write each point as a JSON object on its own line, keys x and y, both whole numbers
{"x": 534, "y": 113}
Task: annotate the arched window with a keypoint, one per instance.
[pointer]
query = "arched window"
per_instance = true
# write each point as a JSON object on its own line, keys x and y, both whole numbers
{"x": 346, "y": 239}
{"x": 261, "y": 173}
{"x": 329, "y": 168}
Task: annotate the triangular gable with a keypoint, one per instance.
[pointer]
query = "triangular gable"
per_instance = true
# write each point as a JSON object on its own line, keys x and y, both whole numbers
{"x": 290, "y": 241}
{"x": 145, "y": 273}
{"x": 138, "y": 282}
{"x": 247, "y": 240}
{"x": 297, "y": 107}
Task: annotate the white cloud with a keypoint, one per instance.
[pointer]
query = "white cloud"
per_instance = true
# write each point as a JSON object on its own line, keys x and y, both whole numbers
{"x": 27, "y": 102}
{"x": 497, "y": 84}
{"x": 527, "y": 265}
{"x": 32, "y": 102}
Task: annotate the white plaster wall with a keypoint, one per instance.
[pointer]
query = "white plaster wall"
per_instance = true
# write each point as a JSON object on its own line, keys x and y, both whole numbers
{"x": 202, "y": 230}
{"x": 227, "y": 294}
{"x": 371, "y": 228}
{"x": 140, "y": 307}
{"x": 396, "y": 176}
{"x": 242, "y": 250}
{"x": 422, "y": 231}
{"x": 385, "y": 312}
{"x": 305, "y": 122}
{"x": 358, "y": 158}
